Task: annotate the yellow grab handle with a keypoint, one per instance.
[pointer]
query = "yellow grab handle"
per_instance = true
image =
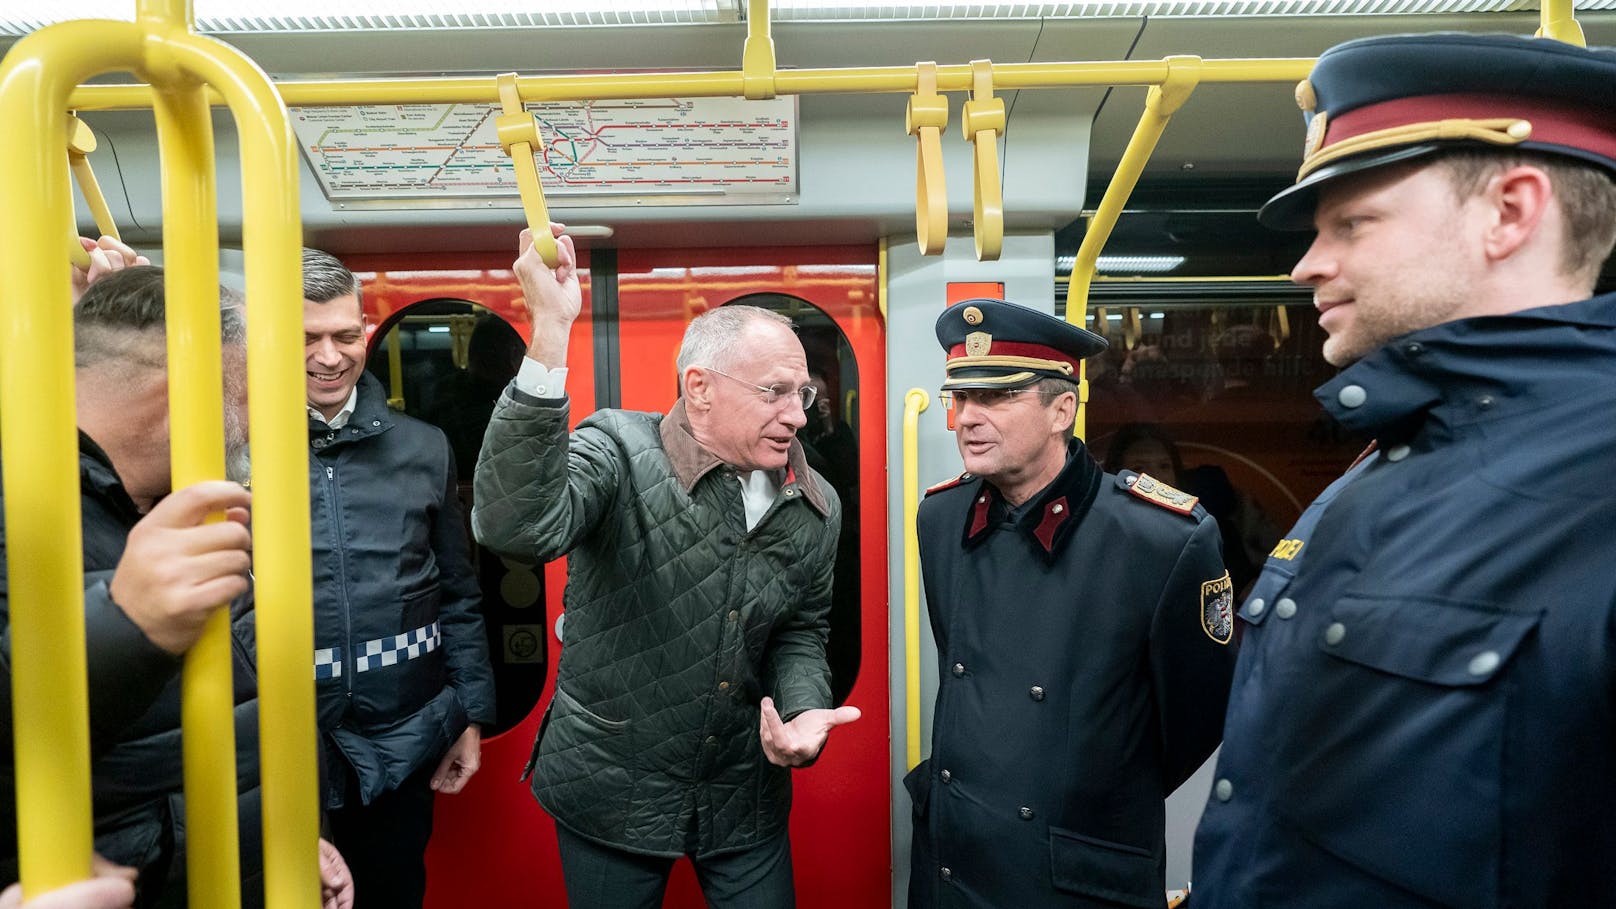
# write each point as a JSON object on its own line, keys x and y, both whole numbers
{"x": 519, "y": 136}
{"x": 984, "y": 121}
{"x": 925, "y": 119}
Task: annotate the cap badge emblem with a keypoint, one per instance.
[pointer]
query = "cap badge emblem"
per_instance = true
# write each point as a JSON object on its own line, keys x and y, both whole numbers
{"x": 1315, "y": 133}
{"x": 978, "y": 343}
{"x": 973, "y": 316}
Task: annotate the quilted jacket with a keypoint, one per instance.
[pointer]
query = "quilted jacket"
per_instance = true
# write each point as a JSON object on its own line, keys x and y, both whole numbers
{"x": 679, "y": 620}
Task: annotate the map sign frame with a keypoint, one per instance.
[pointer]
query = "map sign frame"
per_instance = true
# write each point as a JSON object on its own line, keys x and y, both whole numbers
{"x": 669, "y": 151}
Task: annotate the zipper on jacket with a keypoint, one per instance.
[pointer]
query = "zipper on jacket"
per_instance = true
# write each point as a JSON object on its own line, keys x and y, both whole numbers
{"x": 350, "y": 659}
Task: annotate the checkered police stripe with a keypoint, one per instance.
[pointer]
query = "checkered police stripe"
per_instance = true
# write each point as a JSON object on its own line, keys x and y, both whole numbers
{"x": 328, "y": 663}
{"x": 398, "y": 648}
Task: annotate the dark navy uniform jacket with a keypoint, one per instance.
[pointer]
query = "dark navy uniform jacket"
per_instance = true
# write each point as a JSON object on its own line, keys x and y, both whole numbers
{"x": 1083, "y": 674}
{"x": 1424, "y": 711}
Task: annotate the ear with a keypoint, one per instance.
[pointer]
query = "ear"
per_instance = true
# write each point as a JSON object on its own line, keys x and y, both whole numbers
{"x": 1518, "y": 200}
{"x": 696, "y": 389}
{"x": 1063, "y": 411}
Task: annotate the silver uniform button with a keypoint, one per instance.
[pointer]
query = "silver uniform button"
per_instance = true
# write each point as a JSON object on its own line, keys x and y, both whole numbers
{"x": 959, "y": 670}
{"x": 1027, "y": 813}
{"x": 1224, "y": 790}
{"x": 1352, "y": 396}
{"x": 1285, "y": 608}
{"x": 947, "y": 777}
{"x": 948, "y": 873}
{"x": 1335, "y": 633}
{"x": 1484, "y": 663}
{"x": 1255, "y": 607}
{"x": 1397, "y": 453}
{"x": 1036, "y": 692}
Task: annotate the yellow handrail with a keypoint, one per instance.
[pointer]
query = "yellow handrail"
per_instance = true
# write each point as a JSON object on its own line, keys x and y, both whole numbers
{"x": 915, "y": 402}
{"x": 625, "y": 86}
{"x": 1183, "y": 75}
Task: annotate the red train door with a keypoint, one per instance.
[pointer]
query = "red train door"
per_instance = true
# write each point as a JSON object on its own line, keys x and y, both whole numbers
{"x": 492, "y": 845}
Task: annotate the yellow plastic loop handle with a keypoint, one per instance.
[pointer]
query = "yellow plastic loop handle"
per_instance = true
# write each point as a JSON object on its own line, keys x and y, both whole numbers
{"x": 926, "y": 119}
{"x": 984, "y": 121}
{"x": 518, "y": 132}
{"x": 80, "y": 142}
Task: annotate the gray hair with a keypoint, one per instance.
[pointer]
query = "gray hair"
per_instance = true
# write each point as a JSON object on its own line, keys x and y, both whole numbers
{"x": 325, "y": 279}
{"x": 122, "y": 317}
{"x": 711, "y": 338}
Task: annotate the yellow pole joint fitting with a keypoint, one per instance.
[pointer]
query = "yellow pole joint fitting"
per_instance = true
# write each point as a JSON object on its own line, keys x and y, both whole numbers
{"x": 518, "y": 132}
{"x": 1183, "y": 75}
{"x": 926, "y": 119}
{"x": 757, "y": 54}
{"x": 984, "y": 121}
{"x": 1559, "y": 21}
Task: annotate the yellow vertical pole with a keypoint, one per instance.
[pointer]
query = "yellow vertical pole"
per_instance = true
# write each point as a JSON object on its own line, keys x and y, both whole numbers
{"x": 915, "y": 402}
{"x": 1559, "y": 21}
{"x": 395, "y": 367}
{"x": 191, "y": 289}
{"x": 757, "y": 53}
{"x": 272, "y": 238}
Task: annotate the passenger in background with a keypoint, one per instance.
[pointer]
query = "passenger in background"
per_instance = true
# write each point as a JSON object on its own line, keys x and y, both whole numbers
{"x": 401, "y": 661}
{"x": 1424, "y": 711}
{"x": 155, "y": 571}
{"x": 700, "y": 549}
{"x": 1082, "y": 623}
{"x": 1246, "y": 532}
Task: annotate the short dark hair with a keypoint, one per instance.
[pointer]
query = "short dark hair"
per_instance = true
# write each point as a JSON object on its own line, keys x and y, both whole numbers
{"x": 123, "y": 316}
{"x": 1050, "y": 388}
{"x": 325, "y": 278}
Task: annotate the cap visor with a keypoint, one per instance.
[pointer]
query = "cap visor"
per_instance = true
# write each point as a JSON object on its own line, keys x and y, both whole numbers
{"x": 1292, "y": 208}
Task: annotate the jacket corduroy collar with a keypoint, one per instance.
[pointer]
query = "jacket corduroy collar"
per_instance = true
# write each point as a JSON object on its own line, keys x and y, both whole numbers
{"x": 691, "y": 461}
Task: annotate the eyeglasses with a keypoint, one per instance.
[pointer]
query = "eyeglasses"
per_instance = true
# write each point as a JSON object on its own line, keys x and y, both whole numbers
{"x": 773, "y": 393}
{"x": 982, "y": 397}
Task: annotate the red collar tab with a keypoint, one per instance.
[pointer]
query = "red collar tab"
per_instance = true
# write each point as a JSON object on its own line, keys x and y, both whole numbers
{"x": 1056, "y": 513}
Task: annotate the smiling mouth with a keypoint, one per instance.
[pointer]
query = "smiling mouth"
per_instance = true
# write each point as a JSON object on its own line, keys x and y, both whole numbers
{"x": 1324, "y": 306}
{"x": 327, "y": 376}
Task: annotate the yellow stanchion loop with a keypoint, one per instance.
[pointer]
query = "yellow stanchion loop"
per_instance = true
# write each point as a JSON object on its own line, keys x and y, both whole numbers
{"x": 518, "y": 132}
{"x": 80, "y": 142}
{"x": 757, "y": 54}
{"x": 984, "y": 121}
{"x": 1183, "y": 75}
{"x": 1131, "y": 328}
{"x": 926, "y": 119}
{"x": 915, "y": 402}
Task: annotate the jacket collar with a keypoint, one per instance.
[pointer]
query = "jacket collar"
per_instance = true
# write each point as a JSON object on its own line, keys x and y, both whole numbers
{"x": 691, "y": 461}
{"x": 1048, "y": 518}
{"x": 1472, "y": 369}
{"x": 98, "y": 478}
{"x": 371, "y": 414}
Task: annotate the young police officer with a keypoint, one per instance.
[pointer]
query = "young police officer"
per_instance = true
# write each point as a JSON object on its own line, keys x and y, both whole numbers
{"x": 1423, "y": 709}
{"x": 1082, "y": 623}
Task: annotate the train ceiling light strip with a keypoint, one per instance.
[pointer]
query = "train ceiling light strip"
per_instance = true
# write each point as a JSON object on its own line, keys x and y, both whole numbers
{"x": 248, "y": 16}
{"x": 1133, "y": 265}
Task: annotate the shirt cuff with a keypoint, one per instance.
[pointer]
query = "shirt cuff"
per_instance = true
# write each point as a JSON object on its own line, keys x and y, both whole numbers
{"x": 540, "y": 381}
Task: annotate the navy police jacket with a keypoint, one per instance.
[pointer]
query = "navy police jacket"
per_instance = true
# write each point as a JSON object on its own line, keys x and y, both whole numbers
{"x": 1084, "y": 665}
{"x": 1424, "y": 711}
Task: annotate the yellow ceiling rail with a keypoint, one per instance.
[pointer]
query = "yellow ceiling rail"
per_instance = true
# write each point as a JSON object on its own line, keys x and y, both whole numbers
{"x": 627, "y": 86}
{"x": 518, "y": 131}
{"x": 757, "y": 54}
{"x": 983, "y": 120}
{"x": 926, "y": 119}
{"x": 80, "y": 142}
{"x": 1559, "y": 18}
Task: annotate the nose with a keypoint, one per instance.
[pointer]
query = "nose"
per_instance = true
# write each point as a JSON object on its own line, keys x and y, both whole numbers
{"x": 967, "y": 413}
{"x": 793, "y": 415}
{"x": 1315, "y": 267}
{"x": 324, "y": 352}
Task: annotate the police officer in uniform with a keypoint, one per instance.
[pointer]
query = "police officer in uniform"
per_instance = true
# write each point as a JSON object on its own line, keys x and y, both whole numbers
{"x": 1424, "y": 710}
{"x": 1083, "y": 622}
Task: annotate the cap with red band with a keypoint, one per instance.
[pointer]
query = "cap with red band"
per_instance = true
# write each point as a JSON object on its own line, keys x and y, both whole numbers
{"x": 1378, "y": 101}
{"x": 997, "y": 344}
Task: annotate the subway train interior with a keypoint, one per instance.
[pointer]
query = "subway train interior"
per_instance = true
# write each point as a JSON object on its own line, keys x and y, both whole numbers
{"x": 709, "y": 152}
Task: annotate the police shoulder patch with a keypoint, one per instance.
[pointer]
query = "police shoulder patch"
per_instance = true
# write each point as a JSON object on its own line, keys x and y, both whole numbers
{"x": 948, "y": 484}
{"x": 1217, "y": 608}
{"x": 1156, "y": 492}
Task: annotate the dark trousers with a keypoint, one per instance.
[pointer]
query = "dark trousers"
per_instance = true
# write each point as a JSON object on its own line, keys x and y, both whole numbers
{"x": 600, "y": 877}
{"x": 384, "y": 843}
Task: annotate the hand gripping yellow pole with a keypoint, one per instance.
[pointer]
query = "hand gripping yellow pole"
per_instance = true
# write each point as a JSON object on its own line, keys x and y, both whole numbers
{"x": 518, "y": 133}
{"x": 915, "y": 402}
{"x": 984, "y": 123}
{"x": 80, "y": 142}
{"x": 1162, "y": 101}
{"x": 925, "y": 119}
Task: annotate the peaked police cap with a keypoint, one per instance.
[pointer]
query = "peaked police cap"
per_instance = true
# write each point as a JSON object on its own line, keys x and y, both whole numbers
{"x": 997, "y": 344}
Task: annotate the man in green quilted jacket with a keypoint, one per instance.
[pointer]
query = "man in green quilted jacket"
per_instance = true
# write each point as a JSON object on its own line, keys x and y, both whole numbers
{"x": 701, "y": 547}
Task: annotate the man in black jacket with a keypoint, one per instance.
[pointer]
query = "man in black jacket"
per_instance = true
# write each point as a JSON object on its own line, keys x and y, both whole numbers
{"x": 401, "y": 660}
{"x": 154, "y": 573}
